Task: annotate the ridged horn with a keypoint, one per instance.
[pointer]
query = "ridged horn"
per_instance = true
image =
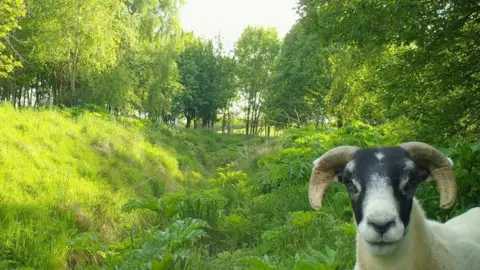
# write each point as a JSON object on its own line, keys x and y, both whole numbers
{"x": 323, "y": 172}
{"x": 441, "y": 170}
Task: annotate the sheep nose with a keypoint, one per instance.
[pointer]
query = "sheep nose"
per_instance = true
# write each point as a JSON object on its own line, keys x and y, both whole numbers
{"x": 381, "y": 228}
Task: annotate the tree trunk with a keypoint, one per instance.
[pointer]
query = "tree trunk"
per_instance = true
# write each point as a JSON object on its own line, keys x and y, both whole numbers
{"x": 74, "y": 56}
{"x": 19, "y": 97}
{"x": 53, "y": 91}
{"x": 213, "y": 119}
{"x": 73, "y": 77}
{"x": 223, "y": 123}
{"x": 256, "y": 119}
{"x": 23, "y": 95}
{"x": 247, "y": 122}
{"x": 37, "y": 93}
{"x": 30, "y": 94}
{"x": 252, "y": 114}
{"x": 189, "y": 122}
{"x": 340, "y": 122}
{"x": 26, "y": 93}
{"x": 204, "y": 122}
{"x": 51, "y": 97}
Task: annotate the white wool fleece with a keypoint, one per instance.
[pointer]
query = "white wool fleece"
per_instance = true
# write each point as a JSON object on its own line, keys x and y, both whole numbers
{"x": 430, "y": 245}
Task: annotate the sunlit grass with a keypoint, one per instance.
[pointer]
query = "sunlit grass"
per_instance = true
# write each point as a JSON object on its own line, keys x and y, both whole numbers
{"x": 60, "y": 176}
{"x": 64, "y": 176}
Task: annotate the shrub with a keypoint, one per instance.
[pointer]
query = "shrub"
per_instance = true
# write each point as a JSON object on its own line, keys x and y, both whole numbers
{"x": 172, "y": 248}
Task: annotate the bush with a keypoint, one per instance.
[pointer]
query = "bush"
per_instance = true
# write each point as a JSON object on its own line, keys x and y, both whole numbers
{"x": 172, "y": 248}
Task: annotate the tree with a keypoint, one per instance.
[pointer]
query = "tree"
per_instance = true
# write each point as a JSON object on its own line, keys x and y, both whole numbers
{"x": 207, "y": 79}
{"x": 300, "y": 81}
{"x": 77, "y": 38}
{"x": 116, "y": 54}
{"x": 255, "y": 51}
{"x": 381, "y": 61}
{"x": 10, "y": 13}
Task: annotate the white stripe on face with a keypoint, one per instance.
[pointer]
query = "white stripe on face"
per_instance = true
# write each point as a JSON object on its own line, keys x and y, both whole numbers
{"x": 379, "y": 156}
{"x": 409, "y": 165}
{"x": 379, "y": 208}
{"x": 350, "y": 166}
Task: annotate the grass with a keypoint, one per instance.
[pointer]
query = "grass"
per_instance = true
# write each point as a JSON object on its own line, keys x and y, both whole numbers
{"x": 61, "y": 176}
{"x": 64, "y": 173}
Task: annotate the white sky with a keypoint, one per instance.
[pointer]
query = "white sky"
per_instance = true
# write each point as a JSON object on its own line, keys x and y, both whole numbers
{"x": 208, "y": 18}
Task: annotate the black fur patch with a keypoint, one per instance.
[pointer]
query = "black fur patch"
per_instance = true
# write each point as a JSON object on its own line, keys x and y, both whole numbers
{"x": 392, "y": 167}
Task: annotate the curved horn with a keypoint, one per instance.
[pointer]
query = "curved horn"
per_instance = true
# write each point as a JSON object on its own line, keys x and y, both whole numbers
{"x": 323, "y": 172}
{"x": 440, "y": 168}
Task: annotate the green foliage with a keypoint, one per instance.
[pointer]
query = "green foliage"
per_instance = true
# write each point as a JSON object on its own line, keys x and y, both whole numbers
{"x": 254, "y": 228}
{"x": 228, "y": 177}
{"x": 115, "y": 53}
{"x": 69, "y": 173}
{"x": 200, "y": 151}
{"x": 293, "y": 164}
{"x": 10, "y": 13}
{"x": 381, "y": 61}
{"x": 300, "y": 81}
{"x": 319, "y": 260}
{"x": 207, "y": 79}
{"x": 86, "y": 249}
{"x": 132, "y": 205}
{"x": 272, "y": 225}
{"x": 255, "y": 51}
{"x": 466, "y": 158}
{"x": 168, "y": 249}
{"x": 202, "y": 204}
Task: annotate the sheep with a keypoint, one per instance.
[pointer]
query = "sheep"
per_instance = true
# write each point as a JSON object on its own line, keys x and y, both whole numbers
{"x": 392, "y": 229}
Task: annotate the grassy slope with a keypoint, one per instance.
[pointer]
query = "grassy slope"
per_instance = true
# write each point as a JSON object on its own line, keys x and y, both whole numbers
{"x": 61, "y": 176}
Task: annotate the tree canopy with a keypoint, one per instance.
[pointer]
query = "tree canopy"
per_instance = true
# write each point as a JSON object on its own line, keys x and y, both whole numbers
{"x": 368, "y": 61}
{"x": 378, "y": 61}
{"x": 207, "y": 79}
{"x": 255, "y": 51}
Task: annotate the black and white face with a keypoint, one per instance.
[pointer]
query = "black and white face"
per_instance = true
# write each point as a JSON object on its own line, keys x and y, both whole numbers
{"x": 381, "y": 183}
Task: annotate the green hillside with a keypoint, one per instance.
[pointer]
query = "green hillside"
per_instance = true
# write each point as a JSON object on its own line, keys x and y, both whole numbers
{"x": 65, "y": 173}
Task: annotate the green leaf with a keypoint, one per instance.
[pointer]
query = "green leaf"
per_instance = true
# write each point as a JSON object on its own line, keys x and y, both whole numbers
{"x": 131, "y": 205}
{"x": 166, "y": 262}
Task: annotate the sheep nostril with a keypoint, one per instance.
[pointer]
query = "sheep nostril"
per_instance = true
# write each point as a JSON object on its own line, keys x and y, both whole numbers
{"x": 381, "y": 228}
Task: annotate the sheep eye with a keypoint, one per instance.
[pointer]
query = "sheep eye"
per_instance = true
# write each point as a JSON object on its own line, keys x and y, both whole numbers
{"x": 409, "y": 187}
{"x": 351, "y": 187}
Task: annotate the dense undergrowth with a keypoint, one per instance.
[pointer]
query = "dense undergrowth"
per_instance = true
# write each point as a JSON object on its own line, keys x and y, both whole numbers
{"x": 81, "y": 190}
{"x": 65, "y": 175}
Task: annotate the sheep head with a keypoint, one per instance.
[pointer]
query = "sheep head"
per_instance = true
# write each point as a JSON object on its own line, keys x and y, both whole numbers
{"x": 381, "y": 183}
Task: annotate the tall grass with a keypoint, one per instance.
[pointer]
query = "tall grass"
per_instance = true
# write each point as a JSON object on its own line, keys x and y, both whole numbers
{"x": 66, "y": 173}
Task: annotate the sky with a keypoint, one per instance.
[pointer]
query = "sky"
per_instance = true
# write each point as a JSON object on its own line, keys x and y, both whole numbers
{"x": 208, "y": 18}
